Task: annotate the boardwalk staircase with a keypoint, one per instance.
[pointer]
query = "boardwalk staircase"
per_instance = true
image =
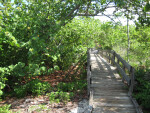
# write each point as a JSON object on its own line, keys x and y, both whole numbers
{"x": 109, "y": 91}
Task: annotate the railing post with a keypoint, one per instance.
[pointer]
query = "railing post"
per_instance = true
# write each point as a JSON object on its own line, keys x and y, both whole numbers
{"x": 88, "y": 71}
{"x": 113, "y": 57}
{"x": 107, "y": 55}
{"x": 109, "y": 58}
{"x": 132, "y": 71}
{"x": 118, "y": 61}
{"x": 124, "y": 71}
{"x": 137, "y": 107}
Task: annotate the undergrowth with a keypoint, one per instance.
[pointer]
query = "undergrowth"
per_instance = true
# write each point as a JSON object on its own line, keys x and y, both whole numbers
{"x": 5, "y": 109}
{"x": 34, "y": 87}
{"x": 142, "y": 88}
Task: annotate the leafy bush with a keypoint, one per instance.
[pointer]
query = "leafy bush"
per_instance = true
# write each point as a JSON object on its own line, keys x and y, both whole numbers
{"x": 142, "y": 90}
{"x": 60, "y": 96}
{"x": 66, "y": 87}
{"x": 65, "y": 91}
{"x": 5, "y": 109}
{"x": 73, "y": 86}
{"x": 34, "y": 87}
{"x": 4, "y": 72}
{"x": 20, "y": 91}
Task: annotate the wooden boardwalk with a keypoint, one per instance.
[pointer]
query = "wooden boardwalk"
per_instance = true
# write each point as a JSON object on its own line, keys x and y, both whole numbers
{"x": 108, "y": 94}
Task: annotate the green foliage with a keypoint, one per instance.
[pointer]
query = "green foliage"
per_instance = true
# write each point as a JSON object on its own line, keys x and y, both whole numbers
{"x": 36, "y": 69}
{"x": 20, "y": 91}
{"x": 142, "y": 90}
{"x": 4, "y": 72}
{"x": 5, "y": 109}
{"x": 73, "y": 86}
{"x": 34, "y": 40}
{"x": 34, "y": 87}
{"x": 60, "y": 96}
{"x": 73, "y": 39}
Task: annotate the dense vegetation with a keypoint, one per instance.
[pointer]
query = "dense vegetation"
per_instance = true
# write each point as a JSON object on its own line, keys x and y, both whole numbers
{"x": 31, "y": 47}
{"x": 42, "y": 38}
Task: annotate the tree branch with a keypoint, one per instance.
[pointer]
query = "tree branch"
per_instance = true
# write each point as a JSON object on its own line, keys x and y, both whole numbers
{"x": 109, "y": 17}
{"x": 96, "y": 11}
{"x": 92, "y": 15}
{"x": 88, "y": 7}
{"x": 72, "y": 11}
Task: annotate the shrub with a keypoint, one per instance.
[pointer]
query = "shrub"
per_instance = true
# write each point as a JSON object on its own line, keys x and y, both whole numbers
{"x": 4, "y": 72}
{"x": 142, "y": 92}
{"x": 5, "y": 109}
{"x": 72, "y": 86}
{"x": 60, "y": 96}
{"x": 35, "y": 87}
{"x": 20, "y": 91}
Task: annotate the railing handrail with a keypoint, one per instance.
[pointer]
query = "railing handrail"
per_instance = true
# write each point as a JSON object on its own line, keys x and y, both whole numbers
{"x": 112, "y": 55}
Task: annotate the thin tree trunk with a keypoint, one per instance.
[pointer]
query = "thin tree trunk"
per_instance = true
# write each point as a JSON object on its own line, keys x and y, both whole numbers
{"x": 128, "y": 49}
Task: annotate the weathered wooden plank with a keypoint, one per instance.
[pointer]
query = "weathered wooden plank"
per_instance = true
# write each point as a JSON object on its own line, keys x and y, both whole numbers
{"x": 109, "y": 87}
{"x": 109, "y": 97}
{"x": 98, "y": 79}
{"x": 100, "y": 70}
{"x": 113, "y": 101}
{"x": 112, "y": 104}
{"x": 116, "y": 97}
{"x": 102, "y": 73}
{"x": 112, "y": 82}
{"x": 110, "y": 92}
{"x": 113, "y": 110}
{"x": 105, "y": 77}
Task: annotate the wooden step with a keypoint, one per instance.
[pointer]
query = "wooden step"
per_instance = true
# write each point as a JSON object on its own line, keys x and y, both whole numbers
{"x": 112, "y": 104}
{"x": 101, "y": 78}
{"x": 113, "y": 110}
{"x": 102, "y": 73}
{"x": 109, "y": 86}
{"x": 100, "y": 81}
{"x": 99, "y": 73}
{"x": 98, "y": 64}
{"x": 112, "y": 99}
{"x": 106, "y": 82}
{"x": 108, "y": 92}
{"x": 105, "y": 77}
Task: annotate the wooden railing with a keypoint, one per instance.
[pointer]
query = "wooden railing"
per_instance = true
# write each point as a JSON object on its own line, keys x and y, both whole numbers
{"x": 126, "y": 71}
{"x": 88, "y": 71}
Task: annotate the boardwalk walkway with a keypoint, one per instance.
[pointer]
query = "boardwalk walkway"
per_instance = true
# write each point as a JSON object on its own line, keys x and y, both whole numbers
{"x": 107, "y": 92}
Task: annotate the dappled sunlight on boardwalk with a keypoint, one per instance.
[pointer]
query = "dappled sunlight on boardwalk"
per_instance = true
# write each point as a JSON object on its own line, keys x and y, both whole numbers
{"x": 107, "y": 92}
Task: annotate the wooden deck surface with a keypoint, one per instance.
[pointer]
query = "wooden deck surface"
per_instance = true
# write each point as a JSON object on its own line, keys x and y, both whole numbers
{"x": 107, "y": 92}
